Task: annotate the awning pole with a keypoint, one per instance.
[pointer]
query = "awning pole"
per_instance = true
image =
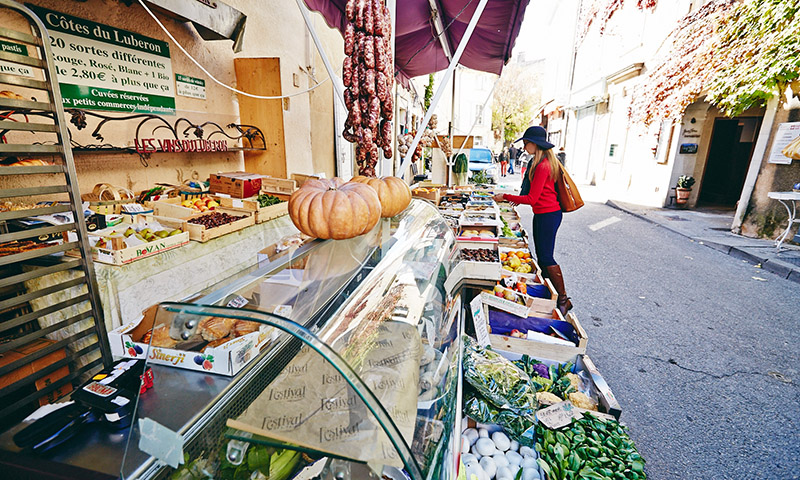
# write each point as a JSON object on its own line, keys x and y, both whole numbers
{"x": 338, "y": 85}
{"x": 439, "y": 91}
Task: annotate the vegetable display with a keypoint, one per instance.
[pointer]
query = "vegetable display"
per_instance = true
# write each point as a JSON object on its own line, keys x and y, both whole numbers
{"x": 265, "y": 200}
{"x": 496, "y": 378}
{"x": 393, "y": 193}
{"x": 325, "y": 209}
{"x": 590, "y": 449}
{"x": 368, "y": 75}
{"x": 488, "y": 453}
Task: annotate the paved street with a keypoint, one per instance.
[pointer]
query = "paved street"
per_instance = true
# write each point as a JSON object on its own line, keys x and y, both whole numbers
{"x": 700, "y": 348}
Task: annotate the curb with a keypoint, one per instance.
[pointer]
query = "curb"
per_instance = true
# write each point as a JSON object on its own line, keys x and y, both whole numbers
{"x": 776, "y": 267}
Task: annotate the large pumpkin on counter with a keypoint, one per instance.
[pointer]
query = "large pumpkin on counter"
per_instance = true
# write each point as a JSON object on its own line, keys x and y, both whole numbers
{"x": 325, "y": 209}
{"x": 393, "y": 192}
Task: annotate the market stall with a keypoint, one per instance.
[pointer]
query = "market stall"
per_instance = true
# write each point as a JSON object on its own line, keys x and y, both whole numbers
{"x": 418, "y": 349}
{"x": 255, "y": 326}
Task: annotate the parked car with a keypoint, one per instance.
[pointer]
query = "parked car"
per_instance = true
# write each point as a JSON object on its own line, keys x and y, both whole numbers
{"x": 482, "y": 159}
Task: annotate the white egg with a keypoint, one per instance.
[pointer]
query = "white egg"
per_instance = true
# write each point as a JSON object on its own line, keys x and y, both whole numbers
{"x": 488, "y": 465}
{"x": 514, "y": 445}
{"x": 530, "y": 474}
{"x": 514, "y": 469}
{"x": 500, "y": 460}
{"x": 514, "y": 458}
{"x": 464, "y": 445}
{"x": 501, "y": 441}
{"x": 472, "y": 435}
{"x": 527, "y": 451}
{"x": 528, "y": 462}
{"x": 485, "y": 446}
{"x": 504, "y": 472}
{"x": 483, "y": 433}
{"x": 468, "y": 458}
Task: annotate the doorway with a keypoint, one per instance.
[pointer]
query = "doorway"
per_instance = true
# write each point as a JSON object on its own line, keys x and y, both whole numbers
{"x": 732, "y": 142}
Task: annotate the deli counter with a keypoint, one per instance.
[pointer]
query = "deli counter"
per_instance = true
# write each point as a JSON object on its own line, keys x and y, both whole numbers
{"x": 356, "y": 347}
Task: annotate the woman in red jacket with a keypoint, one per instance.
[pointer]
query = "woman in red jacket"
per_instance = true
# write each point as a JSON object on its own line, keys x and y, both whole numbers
{"x": 539, "y": 191}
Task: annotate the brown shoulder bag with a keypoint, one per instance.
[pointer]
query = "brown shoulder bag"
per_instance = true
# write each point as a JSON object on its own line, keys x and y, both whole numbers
{"x": 568, "y": 195}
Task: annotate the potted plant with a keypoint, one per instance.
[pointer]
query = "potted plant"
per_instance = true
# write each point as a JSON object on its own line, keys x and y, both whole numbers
{"x": 684, "y": 189}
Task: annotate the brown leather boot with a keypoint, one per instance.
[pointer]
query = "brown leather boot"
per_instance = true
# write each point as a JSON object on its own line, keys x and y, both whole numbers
{"x": 553, "y": 272}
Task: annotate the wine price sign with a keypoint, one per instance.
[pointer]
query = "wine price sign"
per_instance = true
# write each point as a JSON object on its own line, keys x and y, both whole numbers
{"x": 100, "y": 67}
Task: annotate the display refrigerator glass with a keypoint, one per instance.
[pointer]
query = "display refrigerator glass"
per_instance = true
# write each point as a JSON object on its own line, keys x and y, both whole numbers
{"x": 351, "y": 364}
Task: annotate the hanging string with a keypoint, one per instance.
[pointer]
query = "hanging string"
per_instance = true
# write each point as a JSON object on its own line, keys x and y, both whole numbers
{"x": 260, "y": 97}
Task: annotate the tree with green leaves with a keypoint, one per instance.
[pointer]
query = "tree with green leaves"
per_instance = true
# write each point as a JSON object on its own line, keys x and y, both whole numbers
{"x": 428, "y": 92}
{"x": 515, "y": 98}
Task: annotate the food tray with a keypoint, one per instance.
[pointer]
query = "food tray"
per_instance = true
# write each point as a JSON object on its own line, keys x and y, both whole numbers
{"x": 172, "y": 208}
{"x": 131, "y": 254}
{"x": 200, "y": 233}
{"x": 537, "y": 349}
{"x": 262, "y": 214}
{"x": 226, "y": 359}
{"x": 472, "y": 270}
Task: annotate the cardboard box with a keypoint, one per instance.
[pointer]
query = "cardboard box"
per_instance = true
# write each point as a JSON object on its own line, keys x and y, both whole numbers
{"x": 137, "y": 252}
{"x": 235, "y": 184}
{"x": 199, "y": 233}
{"x": 31, "y": 368}
{"x": 262, "y": 214}
{"x": 226, "y": 359}
{"x": 466, "y": 238}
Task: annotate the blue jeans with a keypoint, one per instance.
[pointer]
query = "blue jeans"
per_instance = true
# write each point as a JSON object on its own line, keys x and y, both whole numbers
{"x": 545, "y": 227}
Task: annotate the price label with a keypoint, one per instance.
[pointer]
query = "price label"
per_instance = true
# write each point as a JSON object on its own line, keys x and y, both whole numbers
{"x": 556, "y": 416}
{"x": 562, "y": 414}
{"x": 480, "y": 321}
{"x": 237, "y": 203}
{"x": 238, "y": 302}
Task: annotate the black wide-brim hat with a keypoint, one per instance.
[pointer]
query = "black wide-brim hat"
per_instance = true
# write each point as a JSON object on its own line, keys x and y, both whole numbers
{"x": 537, "y": 135}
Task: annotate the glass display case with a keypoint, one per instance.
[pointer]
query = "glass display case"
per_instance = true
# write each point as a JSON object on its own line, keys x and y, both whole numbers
{"x": 355, "y": 374}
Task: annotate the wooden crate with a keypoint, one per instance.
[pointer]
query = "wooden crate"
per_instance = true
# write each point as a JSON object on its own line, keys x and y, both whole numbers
{"x": 301, "y": 179}
{"x": 278, "y": 185}
{"x": 433, "y": 195}
{"x": 36, "y": 365}
{"x": 560, "y": 353}
{"x": 262, "y": 214}
{"x": 123, "y": 256}
{"x": 199, "y": 233}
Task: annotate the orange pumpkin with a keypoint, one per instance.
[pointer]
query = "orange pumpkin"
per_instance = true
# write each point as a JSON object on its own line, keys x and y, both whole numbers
{"x": 334, "y": 209}
{"x": 393, "y": 192}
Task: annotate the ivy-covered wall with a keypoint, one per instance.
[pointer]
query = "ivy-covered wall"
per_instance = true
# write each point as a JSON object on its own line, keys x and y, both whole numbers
{"x": 766, "y": 217}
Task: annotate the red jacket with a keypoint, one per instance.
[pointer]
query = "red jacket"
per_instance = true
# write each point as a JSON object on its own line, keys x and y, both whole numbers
{"x": 542, "y": 197}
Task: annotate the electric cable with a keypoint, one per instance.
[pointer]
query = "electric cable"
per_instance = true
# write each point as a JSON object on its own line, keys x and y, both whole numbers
{"x": 222, "y": 84}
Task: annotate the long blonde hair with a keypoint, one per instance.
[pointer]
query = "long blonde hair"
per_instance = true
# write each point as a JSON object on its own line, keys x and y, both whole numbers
{"x": 555, "y": 171}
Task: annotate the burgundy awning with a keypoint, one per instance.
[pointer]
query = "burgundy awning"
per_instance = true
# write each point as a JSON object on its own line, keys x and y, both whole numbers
{"x": 419, "y": 52}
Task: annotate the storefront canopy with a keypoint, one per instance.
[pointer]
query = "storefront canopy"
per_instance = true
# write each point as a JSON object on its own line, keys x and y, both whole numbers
{"x": 418, "y": 49}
